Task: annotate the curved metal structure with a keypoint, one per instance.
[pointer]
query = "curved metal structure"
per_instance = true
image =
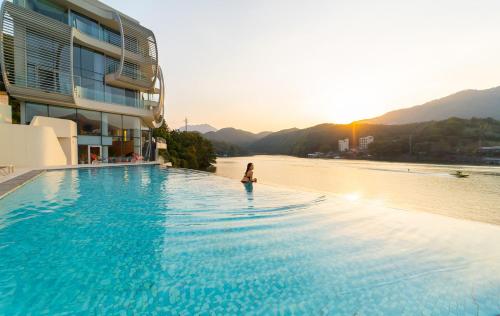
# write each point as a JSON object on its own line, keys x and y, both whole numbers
{"x": 159, "y": 111}
{"x": 36, "y": 56}
{"x": 37, "y": 59}
{"x": 139, "y": 58}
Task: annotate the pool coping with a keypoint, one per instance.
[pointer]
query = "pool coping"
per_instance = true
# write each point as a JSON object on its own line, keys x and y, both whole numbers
{"x": 12, "y": 184}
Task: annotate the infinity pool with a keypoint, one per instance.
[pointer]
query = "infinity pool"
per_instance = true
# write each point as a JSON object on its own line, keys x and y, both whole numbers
{"x": 144, "y": 240}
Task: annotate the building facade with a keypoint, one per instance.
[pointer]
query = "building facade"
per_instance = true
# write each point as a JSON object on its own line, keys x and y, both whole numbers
{"x": 365, "y": 141}
{"x": 83, "y": 61}
{"x": 344, "y": 145}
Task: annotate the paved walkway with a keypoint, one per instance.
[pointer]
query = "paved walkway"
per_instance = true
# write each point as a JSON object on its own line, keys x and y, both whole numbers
{"x": 10, "y": 185}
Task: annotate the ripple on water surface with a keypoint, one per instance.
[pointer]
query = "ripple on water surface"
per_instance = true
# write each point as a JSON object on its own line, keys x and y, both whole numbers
{"x": 148, "y": 240}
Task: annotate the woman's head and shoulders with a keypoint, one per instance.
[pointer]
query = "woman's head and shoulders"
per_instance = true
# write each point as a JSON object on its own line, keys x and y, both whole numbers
{"x": 248, "y": 176}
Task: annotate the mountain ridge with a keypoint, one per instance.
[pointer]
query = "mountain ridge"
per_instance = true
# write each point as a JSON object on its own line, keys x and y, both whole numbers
{"x": 464, "y": 104}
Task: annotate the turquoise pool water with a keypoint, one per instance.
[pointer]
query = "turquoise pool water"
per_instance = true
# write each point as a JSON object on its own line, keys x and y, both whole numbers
{"x": 143, "y": 240}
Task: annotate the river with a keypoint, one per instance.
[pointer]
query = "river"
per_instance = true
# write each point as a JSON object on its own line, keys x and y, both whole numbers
{"x": 405, "y": 186}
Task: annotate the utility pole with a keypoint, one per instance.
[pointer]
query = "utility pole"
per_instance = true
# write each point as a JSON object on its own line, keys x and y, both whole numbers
{"x": 186, "y": 123}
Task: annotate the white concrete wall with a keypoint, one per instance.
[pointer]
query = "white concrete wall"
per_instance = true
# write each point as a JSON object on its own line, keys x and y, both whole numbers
{"x": 5, "y": 114}
{"x": 66, "y": 133}
{"x": 5, "y": 109}
{"x": 30, "y": 146}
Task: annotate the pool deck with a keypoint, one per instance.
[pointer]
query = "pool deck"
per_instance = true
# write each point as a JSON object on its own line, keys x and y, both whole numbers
{"x": 22, "y": 176}
{"x": 12, "y": 184}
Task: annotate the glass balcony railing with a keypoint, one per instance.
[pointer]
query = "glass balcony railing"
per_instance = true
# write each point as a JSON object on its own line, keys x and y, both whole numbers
{"x": 96, "y": 90}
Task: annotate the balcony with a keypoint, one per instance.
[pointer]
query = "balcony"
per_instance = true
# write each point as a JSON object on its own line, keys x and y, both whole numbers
{"x": 95, "y": 90}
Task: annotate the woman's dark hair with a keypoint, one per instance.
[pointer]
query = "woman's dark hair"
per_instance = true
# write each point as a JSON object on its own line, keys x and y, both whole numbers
{"x": 248, "y": 167}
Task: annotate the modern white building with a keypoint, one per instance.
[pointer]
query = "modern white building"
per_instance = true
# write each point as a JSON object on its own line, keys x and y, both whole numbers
{"x": 85, "y": 63}
{"x": 365, "y": 141}
{"x": 344, "y": 145}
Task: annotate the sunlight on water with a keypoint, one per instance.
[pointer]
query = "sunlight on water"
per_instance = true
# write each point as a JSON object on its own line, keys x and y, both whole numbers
{"x": 352, "y": 196}
{"x": 144, "y": 240}
{"x": 421, "y": 187}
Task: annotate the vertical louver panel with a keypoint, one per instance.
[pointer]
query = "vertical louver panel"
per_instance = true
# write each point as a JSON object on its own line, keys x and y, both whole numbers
{"x": 139, "y": 41}
{"x": 36, "y": 55}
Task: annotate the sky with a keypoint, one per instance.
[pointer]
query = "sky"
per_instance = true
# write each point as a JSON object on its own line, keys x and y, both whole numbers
{"x": 266, "y": 65}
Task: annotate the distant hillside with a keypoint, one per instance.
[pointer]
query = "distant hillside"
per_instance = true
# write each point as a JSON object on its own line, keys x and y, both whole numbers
{"x": 433, "y": 140}
{"x": 234, "y": 136}
{"x": 465, "y": 104}
{"x": 201, "y": 128}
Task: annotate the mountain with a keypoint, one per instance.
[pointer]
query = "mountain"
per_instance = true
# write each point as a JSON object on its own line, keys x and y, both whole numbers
{"x": 446, "y": 140}
{"x": 234, "y": 136}
{"x": 464, "y": 104}
{"x": 201, "y": 128}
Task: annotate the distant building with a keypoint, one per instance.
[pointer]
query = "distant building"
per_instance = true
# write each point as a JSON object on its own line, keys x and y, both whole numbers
{"x": 343, "y": 145}
{"x": 364, "y": 141}
{"x": 315, "y": 155}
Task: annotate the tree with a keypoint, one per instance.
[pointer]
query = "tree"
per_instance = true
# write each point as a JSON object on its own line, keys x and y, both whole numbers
{"x": 186, "y": 149}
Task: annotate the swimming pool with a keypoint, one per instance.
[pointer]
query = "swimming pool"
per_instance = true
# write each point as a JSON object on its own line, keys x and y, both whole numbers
{"x": 151, "y": 241}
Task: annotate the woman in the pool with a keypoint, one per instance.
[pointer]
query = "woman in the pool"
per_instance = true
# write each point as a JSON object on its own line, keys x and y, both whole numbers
{"x": 248, "y": 177}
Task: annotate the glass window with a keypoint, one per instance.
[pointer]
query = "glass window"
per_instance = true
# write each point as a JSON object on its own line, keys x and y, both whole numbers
{"x": 115, "y": 95}
{"x": 76, "y": 61}
{"x": 131, "y": 127}
{"x": 85, "y": 24}
{"x": 91, "y": 64}
{"x": 83, "y": 154}
{"x": 131, "y": 70}
{"x": 92, "y": 74}
{"x": 111, "y": 36}
{"x": 62, "y": 113}
{"x": 35, "y": 109}
{"x": 111, "y": 124}
{"x": 89, "y": 123}
{"x": 131, "y": 148}
{"x": 112, "y": 64}
{"x": 115, "y": 150}
{"x": 43, "y": 70}
{"x": 48, "y": 8}
{"x": 16, "y": 110}
{"x": 131, "y": 97}
{"x": 145, "y": 135}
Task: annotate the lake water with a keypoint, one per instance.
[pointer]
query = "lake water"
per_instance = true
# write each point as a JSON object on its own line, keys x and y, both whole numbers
{"x": 407, "y": 186}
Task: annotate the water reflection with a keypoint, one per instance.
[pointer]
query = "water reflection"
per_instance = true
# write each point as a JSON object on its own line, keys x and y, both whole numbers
{"x": 421, "y": 187}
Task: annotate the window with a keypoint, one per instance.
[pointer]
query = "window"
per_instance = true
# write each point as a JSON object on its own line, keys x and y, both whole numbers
{"x": 77, "y": 63}
{"x": 111, "y": 36}
{"x": 35, "y": 109}
{"x": 131, "y": 70}
{"x": 48, "y": 63}
{"x": 89, "y": 122}
{"x": 48, "y": 8}
{"x": 131, "y": 127}
{"x": 112, "y": 64}
{"x": 131, "y": 136}
{"x": 115, "y": 150}
{"x": 112, "y": 124}
{"x": 62, "y": 113}
{"x": 85, "y": 24}
{"x": 83, "y": 154}
{"x": 131, "y": 97}
{"x": 91, "y": 70}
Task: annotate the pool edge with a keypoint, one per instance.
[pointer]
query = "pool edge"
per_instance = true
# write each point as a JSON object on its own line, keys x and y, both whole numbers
{"x": 15, "y": 183}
